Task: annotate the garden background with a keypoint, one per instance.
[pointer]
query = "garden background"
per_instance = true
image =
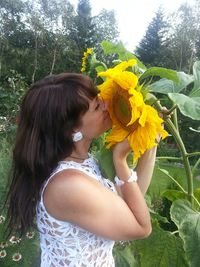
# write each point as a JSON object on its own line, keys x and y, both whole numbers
{"x": 43, "y": 37}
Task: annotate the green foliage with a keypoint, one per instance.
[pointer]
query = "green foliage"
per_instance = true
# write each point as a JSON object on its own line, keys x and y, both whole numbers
{"x": 188, "y": 106}
{"x": 104, "y": 157}
{"x": 41, "y": 37}
{"x": 12, "y": 89}
{"x": 5, "y": 156}
{"x": 166, "y": 86}
{"x": 188, "y": 222}
{"x": 123, "y": 255}
{"x": 196, "y": 74}
{"x": 161, "y": 249}
{"x": 161, "y": 72}
{"x": 18, "y": 250}
{"x": 121, "y": 51}
{"x": 9, "y": 247}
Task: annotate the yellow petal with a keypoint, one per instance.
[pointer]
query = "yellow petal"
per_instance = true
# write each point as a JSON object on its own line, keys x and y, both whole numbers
{"x": 125, "y": 79}
{"x": 107, "y": 89}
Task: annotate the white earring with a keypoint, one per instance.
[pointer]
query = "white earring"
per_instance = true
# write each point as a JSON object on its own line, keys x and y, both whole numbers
{"x": 77, "y": 136}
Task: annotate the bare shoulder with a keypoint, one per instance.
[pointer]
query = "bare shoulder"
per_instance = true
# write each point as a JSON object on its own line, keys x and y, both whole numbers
{"x": 68, "y": 191}
{"x": 66, "y": 183}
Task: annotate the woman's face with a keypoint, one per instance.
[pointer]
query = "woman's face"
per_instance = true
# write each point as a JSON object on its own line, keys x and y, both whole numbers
{"x": 96, "y": 120}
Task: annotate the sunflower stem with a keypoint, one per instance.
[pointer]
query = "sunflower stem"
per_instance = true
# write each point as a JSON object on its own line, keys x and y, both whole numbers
{"x": 189, "y": 175}
{"x": 175, "y": 120}
{"x": 172, "y": 109}
{"x": 170, "y": 158}
{"x": 186, "y": 162}
{"x": 193, "y": 154}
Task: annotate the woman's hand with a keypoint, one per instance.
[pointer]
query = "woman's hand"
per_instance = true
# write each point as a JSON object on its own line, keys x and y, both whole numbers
{"x": 121, "y": 150}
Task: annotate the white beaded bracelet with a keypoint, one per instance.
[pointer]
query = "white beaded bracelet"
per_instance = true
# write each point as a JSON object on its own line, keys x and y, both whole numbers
{"x": 132, "y": 178}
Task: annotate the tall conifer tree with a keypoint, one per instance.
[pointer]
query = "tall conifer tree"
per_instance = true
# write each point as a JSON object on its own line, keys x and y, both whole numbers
{"x": 149, "y": 49}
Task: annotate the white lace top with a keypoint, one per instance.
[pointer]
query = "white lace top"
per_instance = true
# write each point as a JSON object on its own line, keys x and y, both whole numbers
{"x": 65, "y": 244}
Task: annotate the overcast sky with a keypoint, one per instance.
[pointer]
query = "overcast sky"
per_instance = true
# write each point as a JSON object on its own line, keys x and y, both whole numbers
{"x": 133, "y": 16}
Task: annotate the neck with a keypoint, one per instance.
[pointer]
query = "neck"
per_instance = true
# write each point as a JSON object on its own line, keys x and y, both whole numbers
{"x": 81, "y": 150}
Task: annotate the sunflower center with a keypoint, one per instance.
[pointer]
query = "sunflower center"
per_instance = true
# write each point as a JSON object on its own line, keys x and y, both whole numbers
{"x": 122, "y": 109}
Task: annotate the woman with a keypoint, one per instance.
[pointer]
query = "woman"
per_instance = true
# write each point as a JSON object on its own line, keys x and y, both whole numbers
{"x": 79, "y": 213}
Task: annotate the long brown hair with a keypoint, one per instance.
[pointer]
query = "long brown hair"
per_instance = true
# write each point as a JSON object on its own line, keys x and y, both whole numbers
{"x": 50, "y": 111}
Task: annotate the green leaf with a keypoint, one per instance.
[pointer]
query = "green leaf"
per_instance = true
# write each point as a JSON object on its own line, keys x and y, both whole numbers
{"x": 196, "y": 72}
{"x": 159, "y": 183}
{"x": 189, "y": 106}
{"x": 161, "y": 72}
{"x": 188, "y": 223}
{"x": 160, "y": 249}
{"x": 173, "y": 195}
{"x": 150, "y": 99}
{"x": 99, "y": 68}
{"x": 197, "y": 193}
{"x": 166, "y": 86}
{"x": 124, "y": 257}
{"x": 121, "y": 51}
{"x": 197, "y": 196}
{"x": 104, "y": 157}
{"x": 156, "y": 216}
{"x": 195, "y": 93}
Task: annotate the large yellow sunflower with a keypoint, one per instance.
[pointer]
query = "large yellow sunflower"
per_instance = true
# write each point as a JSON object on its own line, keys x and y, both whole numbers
{"x": 131, "y": 117}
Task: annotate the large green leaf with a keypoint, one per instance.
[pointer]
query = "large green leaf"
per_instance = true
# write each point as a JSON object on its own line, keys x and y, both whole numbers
{"x": 104, "y": 157}
{"x": 196, "y": 72}
{"x": 188, "y": 223}
{"x": 160, "y": 249}
{"x": 121, "y": 51}
{"x": 189, "y": 106}
{"x": 173, "y": 194}
{"x": 161, "y": 72}
{"x": 124, "y": 257}
{"x": 166, "y": 86}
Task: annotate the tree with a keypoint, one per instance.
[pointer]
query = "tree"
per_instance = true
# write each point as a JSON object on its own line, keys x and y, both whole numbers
{"x": 182, "y": 38}
{"x": 196, "y": 11}
{"x": 106, "y": 26}
{"x": 88, "y": 31}
{"x": 41, "y": 37}
{"x": 11, "y": 27}
{"x": 82, "y": 32}
{"x": 105, "y": 29}
{"x": 150, "y": 48}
